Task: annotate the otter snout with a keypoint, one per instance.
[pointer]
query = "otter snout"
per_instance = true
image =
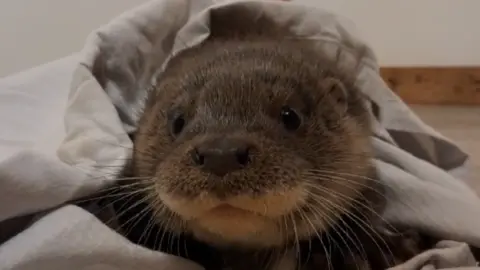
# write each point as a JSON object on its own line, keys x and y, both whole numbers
{"x": 222, "y": 155}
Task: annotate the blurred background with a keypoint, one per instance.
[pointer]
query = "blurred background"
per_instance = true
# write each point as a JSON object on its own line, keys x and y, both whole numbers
{"x": 407, "y": 32}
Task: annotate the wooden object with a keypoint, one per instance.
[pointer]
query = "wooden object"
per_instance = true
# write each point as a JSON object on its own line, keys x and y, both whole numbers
{"x": 435, "y": 85}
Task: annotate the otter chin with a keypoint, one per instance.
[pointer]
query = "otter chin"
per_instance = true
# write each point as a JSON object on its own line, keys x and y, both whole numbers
{"x": 242, "y": 219}
{"x": 226, "y": 224}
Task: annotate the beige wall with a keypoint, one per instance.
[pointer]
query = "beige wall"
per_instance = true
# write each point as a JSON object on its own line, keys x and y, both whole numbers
{"x": 408, "y": 32}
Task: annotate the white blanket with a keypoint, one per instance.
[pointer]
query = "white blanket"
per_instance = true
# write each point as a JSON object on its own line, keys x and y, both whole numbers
{"x": 72, "y": 143}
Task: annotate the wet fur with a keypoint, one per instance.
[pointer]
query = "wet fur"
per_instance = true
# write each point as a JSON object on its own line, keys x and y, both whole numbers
{"x": 319, "y": 176}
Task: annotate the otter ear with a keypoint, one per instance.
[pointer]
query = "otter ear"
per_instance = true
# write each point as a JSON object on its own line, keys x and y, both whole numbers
{"x": 336, "y": 92}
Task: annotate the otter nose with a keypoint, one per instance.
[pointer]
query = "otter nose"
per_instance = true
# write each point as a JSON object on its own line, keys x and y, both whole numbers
{"x": 221, "y": 156}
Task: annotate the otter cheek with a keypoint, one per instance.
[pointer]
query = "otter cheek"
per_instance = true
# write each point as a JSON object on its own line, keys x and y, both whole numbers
{"x": 178, "y": 187}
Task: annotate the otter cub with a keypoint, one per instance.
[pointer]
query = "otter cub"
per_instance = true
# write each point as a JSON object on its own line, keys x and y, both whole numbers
{"x": 255, "y": 152}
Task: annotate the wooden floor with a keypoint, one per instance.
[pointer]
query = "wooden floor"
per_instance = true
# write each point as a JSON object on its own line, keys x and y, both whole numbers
{"x": 462, "y": 125}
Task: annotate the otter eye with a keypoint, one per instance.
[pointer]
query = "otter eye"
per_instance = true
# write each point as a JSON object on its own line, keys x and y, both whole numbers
{"x": 290, "y": 119}
{"x": 178, "y": 124}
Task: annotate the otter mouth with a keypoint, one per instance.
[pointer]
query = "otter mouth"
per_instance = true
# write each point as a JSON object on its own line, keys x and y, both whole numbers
{"x": 226, "y": 210}
{"x": 226, "y": 223}
{"x": 270, "y": 205}
{"x": 224, "y": 215}
{"x": 238, "y": 219}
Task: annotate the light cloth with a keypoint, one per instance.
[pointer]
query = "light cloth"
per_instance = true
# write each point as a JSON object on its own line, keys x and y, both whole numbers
{"x": 55, "y": 163}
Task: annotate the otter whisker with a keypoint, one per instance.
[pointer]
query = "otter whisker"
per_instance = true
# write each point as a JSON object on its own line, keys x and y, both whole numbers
{"x": 359, "y": 221}
{"x": 131, "y": 188}
{"x": 178, "y": 245}
{"x": 305, "y": 217}
{"x": 171, "y": 237}
{"x": 312, "y": 185}
{"x": 161, "y": 210}
{"x": 137, "y": 217}
{"x": 106, "y": 196}
{"x": 155, "y": 213}
{"x": 286, "y": 236}
{"x": 148, "y": 229}
{"x": 268, "y": 256}
{"x": 185, "y": 246}
{"x": 300, "y": 213}
{"x": 165, "y": 224}
{"x": 152, "y": 223}
{"x": 342, "y": 182}
{"x": 333, "y": 225}
{"x": 336, "y": 173}
{"x": 133, "y": 183}
{"x": 107, "y": 190}
{"x": 362, "y": 177}
{"x": 164, "y": 210}
{"x": 271, "y": 259}
{"x": 366, "y": 228}
{"x": 108, "y": 176}
{"x": 130, "y": 195}
{"x": 156, "y": 244}
{"x": 295, "y": 231}
{"x": 345, "y": 198}
{"x": 161, "y": 224}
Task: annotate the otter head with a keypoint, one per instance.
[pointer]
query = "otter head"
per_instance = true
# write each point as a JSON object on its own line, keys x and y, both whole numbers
{"x": 254, "y": 143}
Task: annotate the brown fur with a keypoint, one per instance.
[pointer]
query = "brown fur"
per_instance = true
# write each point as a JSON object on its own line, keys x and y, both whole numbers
{"x": 298, "y": 184}
{"x": 247, "y": 104}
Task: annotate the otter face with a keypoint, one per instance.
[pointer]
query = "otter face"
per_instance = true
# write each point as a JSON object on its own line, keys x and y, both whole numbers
{"x": 257, "y": 144}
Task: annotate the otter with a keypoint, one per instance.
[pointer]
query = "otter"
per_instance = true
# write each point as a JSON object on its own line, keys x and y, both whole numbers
{"x": 253, "y": 152}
